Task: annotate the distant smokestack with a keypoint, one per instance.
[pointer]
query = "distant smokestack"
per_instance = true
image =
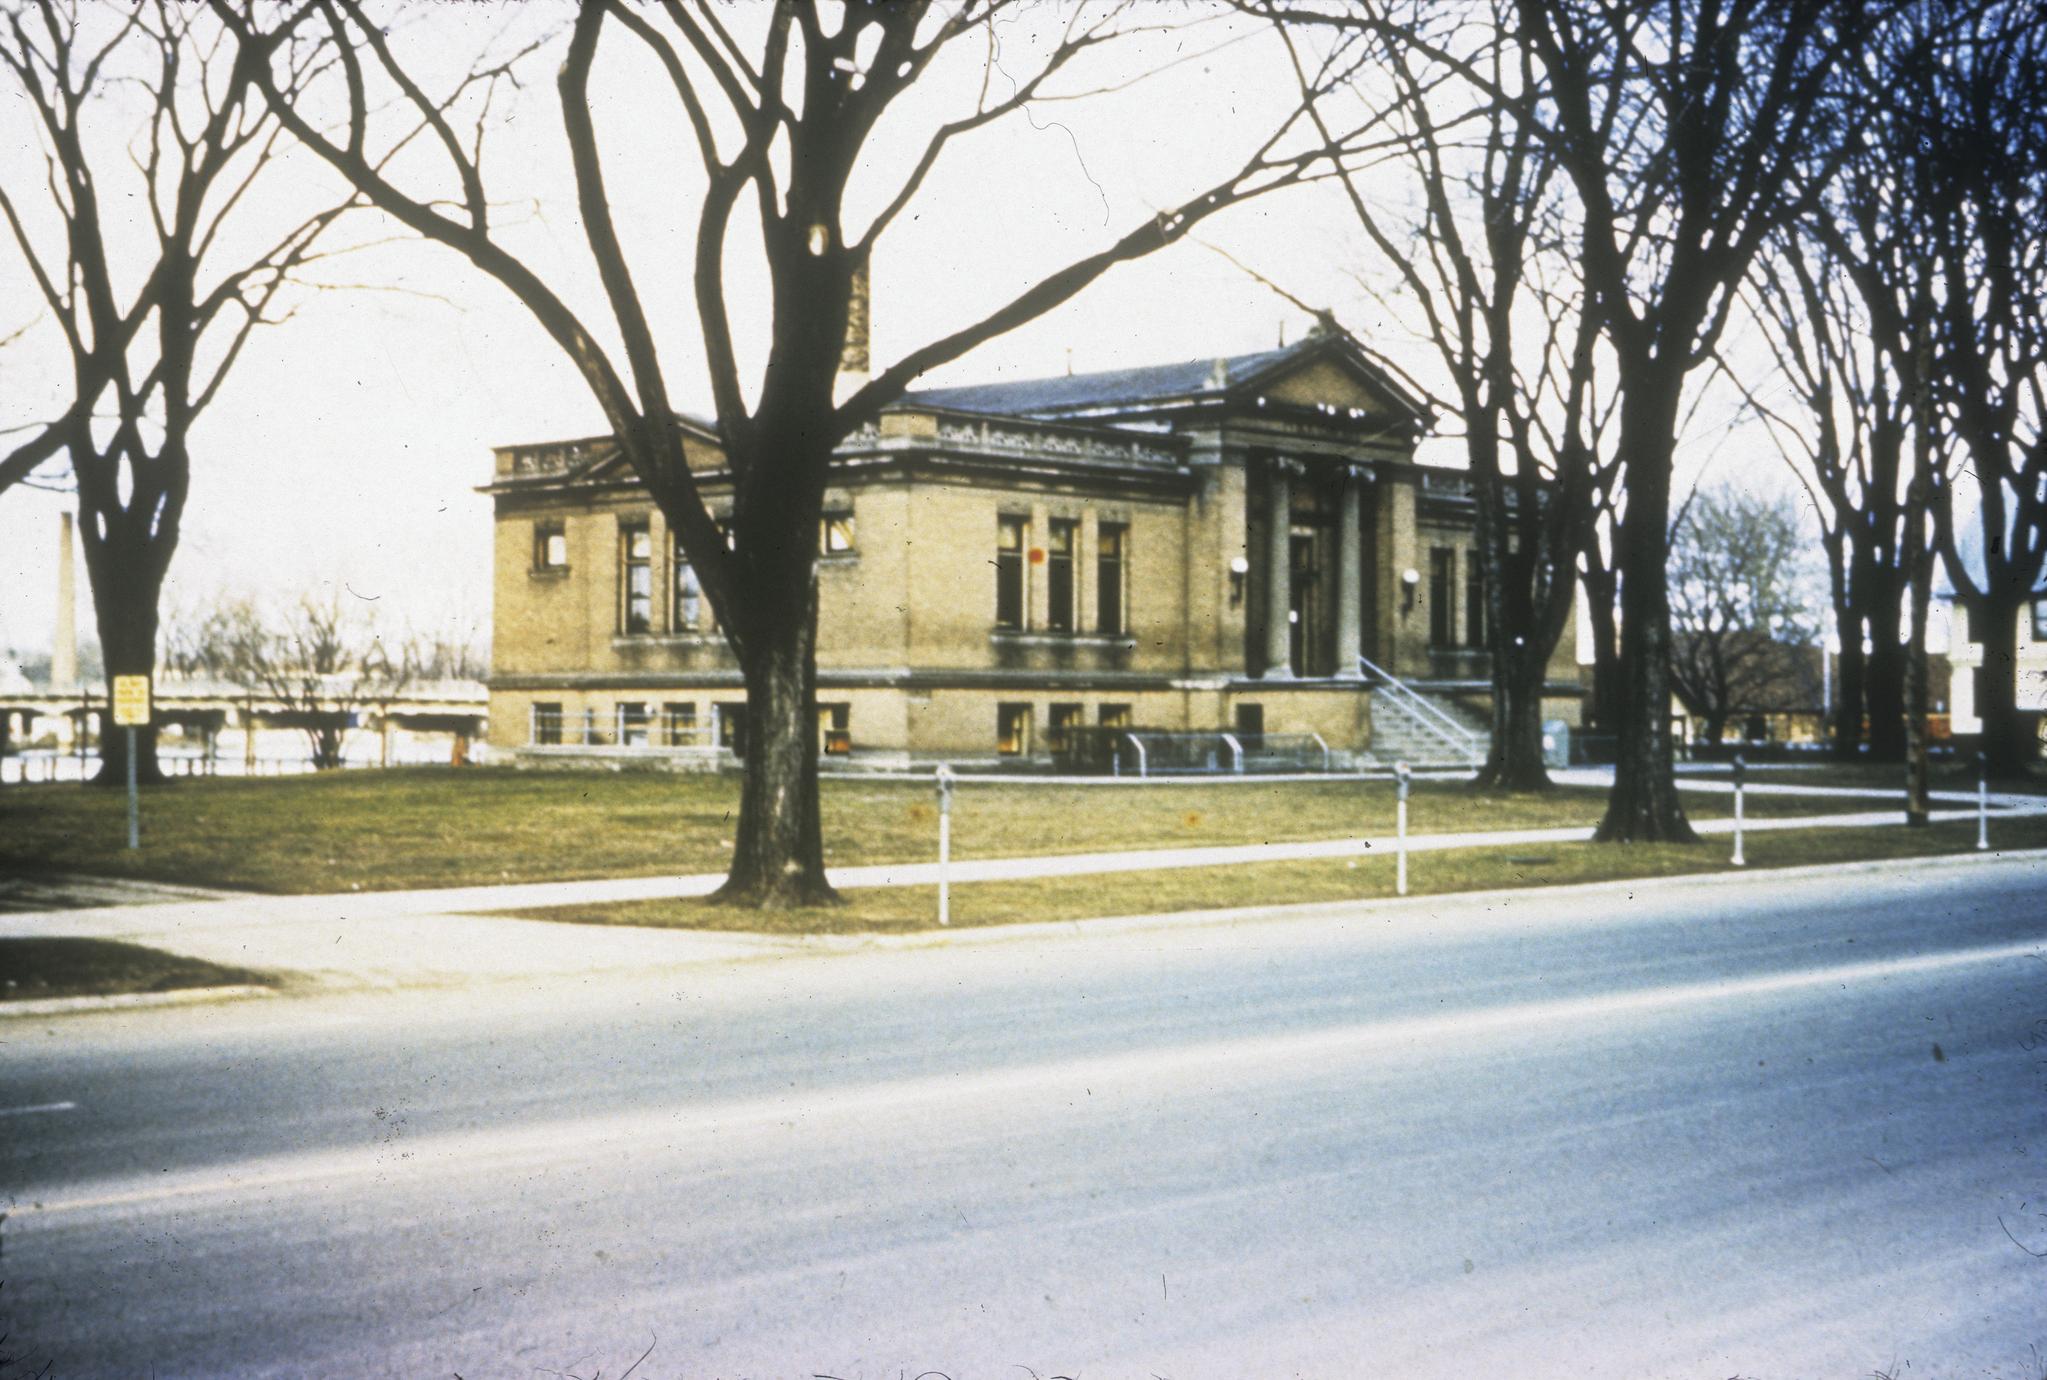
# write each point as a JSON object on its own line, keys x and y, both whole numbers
{"x": 854, "y": 361}
{"x": 64, "y": 652}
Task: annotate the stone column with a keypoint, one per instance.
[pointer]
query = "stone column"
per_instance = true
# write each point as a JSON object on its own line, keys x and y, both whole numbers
{"x": 1350, "y": 581}
{"x": 1279, "y": 570}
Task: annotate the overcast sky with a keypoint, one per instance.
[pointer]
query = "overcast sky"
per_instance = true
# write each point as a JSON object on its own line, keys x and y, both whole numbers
{"x": 346, "y": 449}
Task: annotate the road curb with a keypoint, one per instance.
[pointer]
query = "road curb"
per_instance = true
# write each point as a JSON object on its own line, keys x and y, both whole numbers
{"x": 131, "y": 1001}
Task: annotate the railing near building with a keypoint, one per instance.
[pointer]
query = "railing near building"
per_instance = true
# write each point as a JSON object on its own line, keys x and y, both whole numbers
{"x": 1422, "y": 714}
{"x": 1144, "y": 752}
{"x": 622, "y": 728}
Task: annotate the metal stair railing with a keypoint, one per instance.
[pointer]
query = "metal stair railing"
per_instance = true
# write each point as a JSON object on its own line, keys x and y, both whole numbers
{"x": 1428, "y": 717}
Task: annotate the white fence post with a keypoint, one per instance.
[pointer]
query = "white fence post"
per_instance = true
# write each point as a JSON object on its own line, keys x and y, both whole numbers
{"x": 1740, "y": 770}
{"x": 945, "y": 785}
{"x": 1401, "y": 776}
{"x": 1982, "y": 802}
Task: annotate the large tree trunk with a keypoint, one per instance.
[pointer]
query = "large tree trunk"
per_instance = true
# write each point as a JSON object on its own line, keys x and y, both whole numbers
{"x": 1644, "y": 806}
{"x": 1919, "y": 591}
{"x": 1887, "y": 671}
{"x": 1850, "y": 687}
{"x": 778, "y": 856}
{"x": 124, "y": 586}
{"x": 2008, "y": 739}
{"x": 1515, "y": 761}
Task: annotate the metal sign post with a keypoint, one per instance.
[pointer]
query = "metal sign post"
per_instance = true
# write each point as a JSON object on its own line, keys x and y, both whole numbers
{"x": 1982, "y": 802}
{"x": 1740, "y": 770}
{"x": 131, "y": 711}
{"x": 945, "y": 785}
{"x": 1401, "y": 777}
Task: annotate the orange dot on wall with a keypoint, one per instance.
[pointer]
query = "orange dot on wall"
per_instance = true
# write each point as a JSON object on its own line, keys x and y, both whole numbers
{"x": 1037, "y": 555}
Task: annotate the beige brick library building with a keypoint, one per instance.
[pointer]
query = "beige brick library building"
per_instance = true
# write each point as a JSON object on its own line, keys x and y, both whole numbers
{"x": 1241, "y": 550}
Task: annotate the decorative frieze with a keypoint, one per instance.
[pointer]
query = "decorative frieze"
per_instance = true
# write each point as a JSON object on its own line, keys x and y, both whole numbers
{"x": 1009, "y": 438}
{"x": 556, "y": 459}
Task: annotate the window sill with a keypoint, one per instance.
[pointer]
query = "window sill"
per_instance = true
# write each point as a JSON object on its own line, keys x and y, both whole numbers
{"x": 669, "y": 639}
{"x": 1036, "y": 638}
{"x": 548, "y": 572}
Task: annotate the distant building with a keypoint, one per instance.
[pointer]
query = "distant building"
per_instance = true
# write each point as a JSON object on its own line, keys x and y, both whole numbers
{"x": 1965, "y": 652}
{"x": 1226, "y": 545}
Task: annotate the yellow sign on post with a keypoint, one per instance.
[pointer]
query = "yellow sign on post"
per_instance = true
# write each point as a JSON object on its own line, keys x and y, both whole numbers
{"x": 131, "y": 701}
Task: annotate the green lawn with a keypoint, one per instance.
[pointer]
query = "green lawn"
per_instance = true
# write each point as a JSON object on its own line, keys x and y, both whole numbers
{"x": 1867, "y": 776}
{"x": 431, "y": 827}
{"x": 904, "y": 909}
{"x": 38, "y": 968}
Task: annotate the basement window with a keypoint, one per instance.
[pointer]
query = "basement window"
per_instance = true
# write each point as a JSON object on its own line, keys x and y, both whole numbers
{"x": 1013, "y": 730}
{"x": 1064, "y": 717}
{"x": 835, "y": 729}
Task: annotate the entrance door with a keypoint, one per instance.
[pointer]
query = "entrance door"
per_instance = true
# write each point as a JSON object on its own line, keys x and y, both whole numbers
{"x": 1309, "y": 639}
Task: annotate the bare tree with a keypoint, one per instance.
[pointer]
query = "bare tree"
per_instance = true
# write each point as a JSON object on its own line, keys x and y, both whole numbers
{"x": 1741, "y": 620}
{"x": 449, "y": 652}
{"x": 1847, "y": 436}
{"x": 320, "y": 662}
{"x": 147, "y": 359}
{"x": 779, "y": 104}
{"x": 1680, "y": 128}
{"x": 1505, "y": 318}
{"x": 1985, "y": 169}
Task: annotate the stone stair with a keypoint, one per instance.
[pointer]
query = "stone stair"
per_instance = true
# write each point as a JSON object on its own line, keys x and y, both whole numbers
{"x": 1402, "y": 732}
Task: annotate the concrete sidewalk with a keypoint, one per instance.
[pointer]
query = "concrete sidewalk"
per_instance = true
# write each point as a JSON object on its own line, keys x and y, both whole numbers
{"x": 441, "y": 936}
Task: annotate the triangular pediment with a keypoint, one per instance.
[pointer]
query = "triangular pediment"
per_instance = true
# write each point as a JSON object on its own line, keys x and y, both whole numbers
{"x": 1338, "y": 374}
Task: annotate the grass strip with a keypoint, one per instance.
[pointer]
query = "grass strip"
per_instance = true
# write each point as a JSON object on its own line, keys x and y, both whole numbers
{"x": 897, "y": 910}
{"x": 441, "y": 827}
{"x": 36, "y": 968}
{"x": 1888, "y": 777}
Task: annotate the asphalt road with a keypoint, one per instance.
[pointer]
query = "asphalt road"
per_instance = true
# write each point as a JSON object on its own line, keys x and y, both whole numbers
{"x": 1772, "y": 1128}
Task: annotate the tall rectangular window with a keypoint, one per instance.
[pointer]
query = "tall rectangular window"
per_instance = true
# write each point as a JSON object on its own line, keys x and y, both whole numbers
{"x": 1474, "y": 600}
{"x": 1443, "y": 596}
{"x": 835, "y": 532}
{"x": 633, "y": 723}
{"x": 1059, "y": 544}
{"x": 1013, "y": 730}
{"x": 1114, "y": 716}
{"x": 636, "y": 578}
{"x": 689, "y": 594}
{"x": 1010, "y": 536}
{"x": 547, "y": 724}
{"x": 679, "y": 722}
{"x": 1110, "y": 541}
{"x": 550, "y": 546}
